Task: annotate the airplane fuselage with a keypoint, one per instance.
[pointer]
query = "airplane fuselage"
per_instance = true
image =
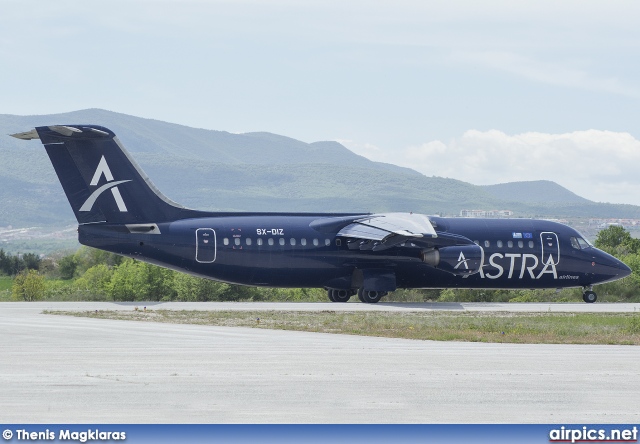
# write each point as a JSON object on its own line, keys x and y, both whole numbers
{"x": 118, "y": 209}
{"x": 284, "y": 251}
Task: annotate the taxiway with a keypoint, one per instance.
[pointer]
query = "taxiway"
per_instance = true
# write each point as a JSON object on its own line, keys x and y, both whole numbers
{"x": 65, "y": 369}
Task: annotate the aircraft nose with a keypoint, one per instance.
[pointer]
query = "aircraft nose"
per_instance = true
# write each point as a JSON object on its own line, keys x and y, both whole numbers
{"x": 624, "y": 269}
{"x": 615, "y": 267}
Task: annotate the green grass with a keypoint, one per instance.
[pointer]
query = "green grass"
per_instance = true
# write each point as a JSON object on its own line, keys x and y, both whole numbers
{"x": 529, "y": 328}
{"x": 5, "y": 288}
{"x": 6, "y": 282}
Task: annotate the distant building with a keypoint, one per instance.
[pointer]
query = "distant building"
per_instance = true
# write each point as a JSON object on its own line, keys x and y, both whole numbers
{"x": 605, "y": 223}
{"x": 486, "y": 213}
{"x": 610, "y": 224}
{"x": 473, "y": 213}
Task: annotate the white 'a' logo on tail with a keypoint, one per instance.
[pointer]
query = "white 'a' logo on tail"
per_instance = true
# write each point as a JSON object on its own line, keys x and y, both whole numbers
{"x": 103, "y": 170}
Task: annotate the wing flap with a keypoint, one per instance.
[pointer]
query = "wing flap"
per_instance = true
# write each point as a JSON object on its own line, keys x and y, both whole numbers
{"x": 405, "y": 224}
{"x": 363, "y": 232}
{"x": 388, "y": 230}
{"x": 382, "y": 231}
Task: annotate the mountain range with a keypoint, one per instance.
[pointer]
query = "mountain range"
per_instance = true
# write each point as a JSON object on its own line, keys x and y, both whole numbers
{"x": 260, "y": 171}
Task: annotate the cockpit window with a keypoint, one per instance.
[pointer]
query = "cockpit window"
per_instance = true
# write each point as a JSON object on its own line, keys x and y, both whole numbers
{"x": 574, "y": 243}
{"x": 579, "y": 243}
{"x": 583, "y": 243}
{"x": 584, "y": 239}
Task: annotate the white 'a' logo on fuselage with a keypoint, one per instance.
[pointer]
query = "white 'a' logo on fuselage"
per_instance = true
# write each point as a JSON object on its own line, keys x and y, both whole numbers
{"x": 103, "y": 170}
{"x": 462, "y": 261}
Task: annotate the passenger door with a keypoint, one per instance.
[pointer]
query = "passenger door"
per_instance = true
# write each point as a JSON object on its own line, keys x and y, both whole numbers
{"x": 550, "y": 247}
{"x": 205, "y": 245}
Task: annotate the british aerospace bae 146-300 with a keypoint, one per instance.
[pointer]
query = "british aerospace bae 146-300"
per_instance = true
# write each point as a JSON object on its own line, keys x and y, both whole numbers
{"x": 119, "y": 210}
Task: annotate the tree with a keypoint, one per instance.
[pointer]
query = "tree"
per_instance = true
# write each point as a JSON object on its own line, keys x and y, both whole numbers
{"x": 87, "y": 257}
{"x": 31, "y": 261}
{"x": 159, "y": 281}
{"x": 29, "y": 286}
{"x": 129, "y": 282}
{"x": 616, "y": 240}
{"x": 5, "y": 262}
{"x": 67, "y": 266}
{"x": 190, "y": 288}
{"x": 95, "y": 281}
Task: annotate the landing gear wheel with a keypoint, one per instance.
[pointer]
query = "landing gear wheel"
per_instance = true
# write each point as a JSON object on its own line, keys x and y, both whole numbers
{"x": 589, "y": 297}
{"x": 370, "y": 296}
{"x": 330, "y": 294}
{"x": 341, "y": 295}
{"x": 360, "y": 296}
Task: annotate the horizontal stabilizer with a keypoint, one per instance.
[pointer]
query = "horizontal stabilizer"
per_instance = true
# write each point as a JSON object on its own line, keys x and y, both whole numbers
{"x": 27, "y": 135}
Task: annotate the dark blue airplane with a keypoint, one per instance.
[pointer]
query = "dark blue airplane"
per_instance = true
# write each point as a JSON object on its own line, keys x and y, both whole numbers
{"x": 119, "y": 210}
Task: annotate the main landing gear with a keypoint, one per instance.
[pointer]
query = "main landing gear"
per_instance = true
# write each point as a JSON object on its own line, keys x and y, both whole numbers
{"x": 589, "y": 296}
{"x": 339, "y": 295}
{"x": 368, "y": 297}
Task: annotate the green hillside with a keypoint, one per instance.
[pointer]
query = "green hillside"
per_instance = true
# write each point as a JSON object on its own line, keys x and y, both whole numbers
{"x": 532, "y": 192}
{"x": 217, "y": 170}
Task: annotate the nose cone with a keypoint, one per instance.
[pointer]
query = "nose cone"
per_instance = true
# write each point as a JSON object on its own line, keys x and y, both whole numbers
{"x": 624, "y": 269}
{"x": 609, "y": 267}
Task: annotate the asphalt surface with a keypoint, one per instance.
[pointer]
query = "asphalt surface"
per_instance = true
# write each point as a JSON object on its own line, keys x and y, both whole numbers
{"x": 315, "y": 306}
{"x": 63, "y": 369}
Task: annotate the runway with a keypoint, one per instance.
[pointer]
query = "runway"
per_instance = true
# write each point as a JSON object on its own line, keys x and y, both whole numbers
{"x": 320, "y": 306}
{"x": 62, "y": 369}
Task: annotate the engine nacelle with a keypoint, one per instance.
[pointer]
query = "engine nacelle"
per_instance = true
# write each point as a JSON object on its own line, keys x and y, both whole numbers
{"x": 460, "y": 260}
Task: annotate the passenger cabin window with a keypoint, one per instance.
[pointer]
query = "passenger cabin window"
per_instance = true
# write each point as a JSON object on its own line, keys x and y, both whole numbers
{"x": 315, "y": 242}
{"x": 303, "y": 241}
{"x": 259, "y": 241}
{"x": 338, "y": 242}
{"x": 520, "y": 244}
{"x": 510, "y": 244}
{"x": 225, "y": 241}
{"x": 487, "y": 244}
{"x": 499, "y": 244}
{"x": 292, "y": 241}
{"x": 248, "y": 241}
{"x": 327, "y": 242}
{"x": 236, "y": 241}
{"x": 281, "y": 241}
{"x": 270, "y": 241}
{"x": 530, "y": 244}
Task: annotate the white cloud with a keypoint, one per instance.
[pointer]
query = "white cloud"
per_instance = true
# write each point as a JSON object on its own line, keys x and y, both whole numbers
{"x": 603, "y": 166}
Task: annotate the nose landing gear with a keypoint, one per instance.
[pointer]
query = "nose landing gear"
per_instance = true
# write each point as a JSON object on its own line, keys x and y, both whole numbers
{"x": 589, "y": 296}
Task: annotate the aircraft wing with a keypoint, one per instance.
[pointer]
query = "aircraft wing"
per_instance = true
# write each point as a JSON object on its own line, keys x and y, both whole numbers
{"x": 385, "y": 230}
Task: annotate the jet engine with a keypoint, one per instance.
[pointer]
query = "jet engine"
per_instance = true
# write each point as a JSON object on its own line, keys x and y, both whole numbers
{"x": 460, "y": 260}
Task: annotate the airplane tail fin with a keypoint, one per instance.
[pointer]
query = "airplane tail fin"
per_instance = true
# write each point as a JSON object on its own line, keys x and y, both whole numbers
{"x": 102, "y": 182}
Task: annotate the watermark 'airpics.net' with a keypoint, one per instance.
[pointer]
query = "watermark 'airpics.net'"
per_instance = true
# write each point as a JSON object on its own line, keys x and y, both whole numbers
{"x": 63, "y": 435}
{"x": 586, "y": 434}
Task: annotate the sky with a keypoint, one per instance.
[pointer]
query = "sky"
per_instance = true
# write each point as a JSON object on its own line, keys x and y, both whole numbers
{"x": 485, "y": 92}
